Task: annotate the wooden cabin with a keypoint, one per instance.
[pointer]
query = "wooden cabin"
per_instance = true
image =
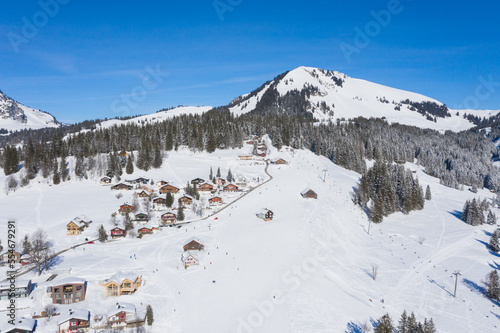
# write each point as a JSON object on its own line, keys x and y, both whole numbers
{"x": 185, "y": 200}
{"x": 230, "y": 188}
{"x": 205, "y": 187}
{"x": 194, "y": 246}
{"x": 73, "y": 229}
{"x": 265, "y": 214}
{"x": 122, "y": 186}
{"x": 168, "y": 188}
{"x": 117, "y": 232}
{"x": 169, "y": 218}
{"x": 309, "y": 194}
{"x": 215, "y": 201}
{"x": 125, "y": 209}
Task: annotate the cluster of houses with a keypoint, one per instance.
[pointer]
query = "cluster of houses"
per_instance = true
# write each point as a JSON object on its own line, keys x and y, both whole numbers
{"x": 19, "y": 259}
{"x": 190, "y": 258}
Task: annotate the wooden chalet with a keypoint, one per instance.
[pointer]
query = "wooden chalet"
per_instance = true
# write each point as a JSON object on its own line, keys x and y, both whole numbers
{"x": 241, "y": 181}
{"x": 215, "y": 201}
{"x": 74, "y": 321}
{"x": 309, "y": 194}
{"x": 147, "y": 189}
{"x": 117, "y": 232}
{"x": 194, "y": 246}
{"x": 221, "y": 181}
{"x": 82, "y": 221}
{"x": 251, "y": 142}
{"x": 140, "y": 180}
{"x": 125, "y": 209}
{"x": 121, "y": 284}
{"x": 278, "y": 161}
{"x": 197, "y": 181}
{"x": 169, "y": 218}
{"x": 161, "y": 183}
{"x": 143, "y": 194}
{"x": 160, "y": 202}
{"x": 145, "y": 231}
{"x": 230, "y": 188}
{"x": 105, "y": 180}
{"x": 190, "y": 260}
{"x": 265, "y": 214}
{"x": 122, "y": 186}
{"x": 121, "y": 315}
{"x": 73, "y": 229}
{"x": 168, "y": 188}
{"x": 185, "y": 200}
{"x": 141, "y": 217}
{"x": 4, "y": 258}
{"x": 205, "y": 187}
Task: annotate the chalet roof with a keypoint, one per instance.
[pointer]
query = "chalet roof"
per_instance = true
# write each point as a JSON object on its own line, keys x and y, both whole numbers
{"x": 82, "y": 218}
{"x": 186, "y": 196}
{"x": 159, "y": 198}
{"x": 217, "y": 197}
{"x": 277, "y": 159}
{"x": 168, "y": 213}
{"x": 68, "y": 280}
{"x": 205, "y": 183}
{"x": 18, "y": 283}
{"x": 306, "y": 190}
{"x": 119, "y": 307}
{"x": 79, "y": 314}
{"x": 117, "y": 228}
{"x": 120, "y": 276}
{"x": 193, "y": 241}
{"x": 26, "y": 324}
{"x": 25, "y": 256}
{"x": 189, "y": 254}
{"x": 263, "y": 211}
{"x": 141, "y": 213}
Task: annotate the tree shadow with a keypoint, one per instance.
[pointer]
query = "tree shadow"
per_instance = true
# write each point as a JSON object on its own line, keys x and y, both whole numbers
{"x": 487, "y": 233}
{"x": 495, "y": 265}
{"x": 457, "y": 214}
{"x": 440, "y": 286}
{"x": 488, "y": 248}
{"x": 474, "y": 286}
{"x": 52, "y": 263}
{"x": 354, "y": 328}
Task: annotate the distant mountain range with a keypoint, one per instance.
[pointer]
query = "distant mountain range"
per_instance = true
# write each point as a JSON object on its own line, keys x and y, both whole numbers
{"x": 315, "y": 93}
{"x": 14, "y": 116}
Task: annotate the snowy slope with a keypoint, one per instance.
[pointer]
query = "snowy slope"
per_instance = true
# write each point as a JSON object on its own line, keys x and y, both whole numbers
{"x": 159, "y": 116}
{"x": 348, "y": 98}
{"x": 306, "y": 271}
{"x": 15, "y": 116}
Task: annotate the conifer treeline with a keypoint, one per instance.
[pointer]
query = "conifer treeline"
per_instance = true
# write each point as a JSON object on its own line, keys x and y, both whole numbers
{"x": 390, "y": 188}
{"x": 455, "y": 158}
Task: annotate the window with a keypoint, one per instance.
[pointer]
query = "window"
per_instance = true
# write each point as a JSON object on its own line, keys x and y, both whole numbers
{"x": 78, "y": 288}
{"x": 68, "y": 289}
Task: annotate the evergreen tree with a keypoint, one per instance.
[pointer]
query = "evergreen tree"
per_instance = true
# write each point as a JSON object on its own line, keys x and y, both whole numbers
{"x": 180, "y": 214}
{"x": 64, "y": 169}
{"x": 384, "y": 324}
{"x": 412, "y": 323}
{"x": 493, "y": 285}
{"x": 101, "y": 234}
{"x": 79, "y": 167}
{"x": 129, "y": 169}
{"x": 211, "y": 174}
{"x": 429, "y": 326}
{"x": 428, "y": 195}
{"x": 403, "y": 323}
{"x": 26, "y": 245}
{"x": 377, "y": 209}
{"x": 494, "y": 244}
{"x": 465, "y": 211}
{"x": 149, "y": 315}
{"x": 218, "y": 172}
{"x": 491, "y": 219}
{"x": 55, "y": 178}
{"x": 1, "y": 247}
{"x": 229, "y": 177}
{"x": 158, "y": 157}
{"x": 169, "y": 199}
{"x": 169, "y": 145}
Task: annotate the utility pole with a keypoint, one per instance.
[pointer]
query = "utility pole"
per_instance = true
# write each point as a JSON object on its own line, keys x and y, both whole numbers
{"x": 324, "y": 176}
{"x": 457, "y": 273}
{"x": 369, "y": 225}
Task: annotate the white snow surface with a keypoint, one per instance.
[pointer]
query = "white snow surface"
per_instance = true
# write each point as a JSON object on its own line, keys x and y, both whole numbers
{"x": 308, "y": 270}
{"x": 360, "y": 98}
{"x": 36, "y": 119}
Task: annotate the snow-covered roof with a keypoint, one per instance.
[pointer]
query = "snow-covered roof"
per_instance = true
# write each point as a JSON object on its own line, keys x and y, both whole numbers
{"x": 26, "y": 324}
{"x": 119, "y": 307}
{"x": 120, "y": 276}
{"x": 189, "y": 254}
{"x": 186, "y": 196}
{"x": 79, "y": 314}
{"x": 68, "y": 280}
{"x": 263, "y": 211}
{"x": 18, "y": 283}
{"x": 82, "y": 218}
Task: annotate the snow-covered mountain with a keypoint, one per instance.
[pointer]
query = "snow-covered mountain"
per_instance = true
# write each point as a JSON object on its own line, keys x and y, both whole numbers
{"x": 329, "y": 95}
{"x": 14, "y": 116}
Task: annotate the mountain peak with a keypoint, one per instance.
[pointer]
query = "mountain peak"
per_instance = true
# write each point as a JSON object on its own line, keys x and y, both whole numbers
{"x": 15, "y": 116}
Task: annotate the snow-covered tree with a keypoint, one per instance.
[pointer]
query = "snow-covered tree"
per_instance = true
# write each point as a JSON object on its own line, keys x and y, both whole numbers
{"x": 494, "y": 243}
{"x": 428, "y": 195}
{"x": 493, "y": 285}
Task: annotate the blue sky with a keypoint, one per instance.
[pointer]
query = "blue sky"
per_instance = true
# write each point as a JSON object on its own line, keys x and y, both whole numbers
{"x": 95, "y": 59}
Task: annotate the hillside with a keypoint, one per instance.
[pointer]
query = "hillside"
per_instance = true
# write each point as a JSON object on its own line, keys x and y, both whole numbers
{"x": 329, "y": 95}
{"x": 15, "y": 116}
{"x": 307, "y": 270}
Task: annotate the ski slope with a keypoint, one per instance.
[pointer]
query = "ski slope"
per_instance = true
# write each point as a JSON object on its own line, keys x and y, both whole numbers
{"x": 308, "y": 270}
